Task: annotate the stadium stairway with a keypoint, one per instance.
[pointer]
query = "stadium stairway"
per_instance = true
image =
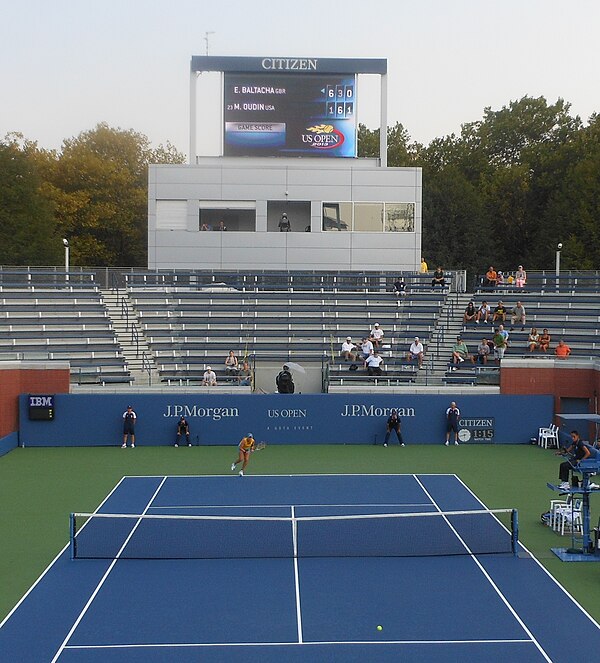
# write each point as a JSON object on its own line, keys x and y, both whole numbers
{"x": 136, "y": 350}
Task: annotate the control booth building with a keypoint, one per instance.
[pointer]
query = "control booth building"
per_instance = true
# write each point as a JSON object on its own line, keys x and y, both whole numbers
{"x": 259, "y": 207}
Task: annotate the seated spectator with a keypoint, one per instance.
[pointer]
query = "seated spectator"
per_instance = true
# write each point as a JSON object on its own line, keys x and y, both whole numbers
{"x": 500, "y": 343}
{"x": 206, "y": 226}
{"x": 520, "y": 277}
{"x": 460, "y": 352}
{"x": 400, "y": 287}
{"x": 533, "y": 340}
{"x": 376, "y": 335}
{"x": 366, "y": 348}
{"x": 470, "y": 313}
{"x": 438, "y": 278}
{"x": 231, "y": 364}
{"x": 416, "y": 351}
{"x": 491, "y": 278}
{"x": 210, "y": 377}
{"x": 510, "y": 280}
{"x": 245, "y": 374}
{"x": 499, "y": 312}
{"x": 483, "y": 350}
{"x": 348, "y": 349}
{"x": 518, "y": 316}
{"x": 545, "y": 339}
{"x": 483, "y": 313}
{"x": 374, "y": 364}
{"x": 562, "y": 350}
{"x": 500, "y": 278}
{"x": 222, "y": 225}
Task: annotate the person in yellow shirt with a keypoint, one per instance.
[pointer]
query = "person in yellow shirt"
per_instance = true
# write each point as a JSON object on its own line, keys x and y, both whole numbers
{"x": 246, "y": 447}
{"x": 424, "y": 268}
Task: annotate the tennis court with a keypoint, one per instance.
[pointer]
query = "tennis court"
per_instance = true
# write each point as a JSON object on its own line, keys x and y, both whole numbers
{"x": 284, "y": 577}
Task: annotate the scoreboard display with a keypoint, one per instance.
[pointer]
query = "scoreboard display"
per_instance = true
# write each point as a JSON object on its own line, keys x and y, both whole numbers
{"x": 41, "y": 407}
{"x": 289, "y": 115}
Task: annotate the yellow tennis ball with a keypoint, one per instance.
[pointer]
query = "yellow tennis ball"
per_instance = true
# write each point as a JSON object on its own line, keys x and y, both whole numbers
{"x": 380, "y": 628}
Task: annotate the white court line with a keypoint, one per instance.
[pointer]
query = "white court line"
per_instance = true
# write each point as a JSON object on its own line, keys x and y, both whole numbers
{"x": 287, "y": 506}
{"x": 296, "y": 577}
{"x": 537, "y": 561}
{"x": 263, "y": 476}
{"x": 488, "y": 577}
{"x": 103, "y": 579}
{"x": 54, "y": 561}
{"x": 164, "y": 645}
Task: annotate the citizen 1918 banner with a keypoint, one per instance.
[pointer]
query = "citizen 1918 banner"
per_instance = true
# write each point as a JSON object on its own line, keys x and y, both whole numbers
{"x": 95, "y": 420}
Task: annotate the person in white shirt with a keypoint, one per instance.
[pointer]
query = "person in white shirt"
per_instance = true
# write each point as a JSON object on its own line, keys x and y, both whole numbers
{"x": 483, "y": 313}
{"x": 416, "y": 351}
{"x": 374, "y": 364}
{"x": 376, "y": 335}
{"x": 348, "y": 349}
{"x": 210, "y": 377}
{"x": 366, "y": 348}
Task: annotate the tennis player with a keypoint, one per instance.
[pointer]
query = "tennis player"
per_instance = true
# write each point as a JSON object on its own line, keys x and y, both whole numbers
{"x": 129, "y": 419}
{"x": 246, "y": 447}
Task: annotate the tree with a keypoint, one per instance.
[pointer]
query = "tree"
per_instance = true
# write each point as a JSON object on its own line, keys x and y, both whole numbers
{"x": 99, "y": 188}
{"x": 27, "y": 230}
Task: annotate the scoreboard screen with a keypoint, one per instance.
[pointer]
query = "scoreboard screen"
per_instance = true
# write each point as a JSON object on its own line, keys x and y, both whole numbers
{"x": 289, "y": 115}
{"x": 41, "y": 407}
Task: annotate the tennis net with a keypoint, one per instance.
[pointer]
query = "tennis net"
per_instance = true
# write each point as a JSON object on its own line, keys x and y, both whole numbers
{"x": 110, "y": 536}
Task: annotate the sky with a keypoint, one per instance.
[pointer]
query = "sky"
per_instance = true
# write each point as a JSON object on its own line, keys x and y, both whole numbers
{"x": 67, "y": 65}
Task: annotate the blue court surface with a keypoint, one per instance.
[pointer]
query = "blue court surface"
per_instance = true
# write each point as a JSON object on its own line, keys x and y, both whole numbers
{"x": 289, "y": 590}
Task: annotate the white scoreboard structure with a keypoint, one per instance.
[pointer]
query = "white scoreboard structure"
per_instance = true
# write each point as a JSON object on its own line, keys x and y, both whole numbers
{"x": 288, "y": 150}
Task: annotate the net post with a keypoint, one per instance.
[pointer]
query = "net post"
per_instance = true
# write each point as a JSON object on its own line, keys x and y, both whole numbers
{"x": 72, "y": 535}
{"x": 514, "y": 531}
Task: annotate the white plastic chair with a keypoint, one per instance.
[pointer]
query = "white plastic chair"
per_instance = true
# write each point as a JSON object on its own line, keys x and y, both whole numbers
{"x": 570, "y": 517}
{"x": 548, "y": 437}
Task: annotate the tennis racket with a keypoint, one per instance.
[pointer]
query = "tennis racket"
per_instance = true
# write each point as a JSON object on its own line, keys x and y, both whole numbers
{"x": 260, "y": 446}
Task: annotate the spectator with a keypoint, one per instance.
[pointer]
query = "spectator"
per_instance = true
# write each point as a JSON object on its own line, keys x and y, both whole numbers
{"x": 438, "y": 278}
{"x": 499, "y": 312}
{"x": 562, "y": 350}
{"x": 424, "y": 268}
{"x": 400, "y": 287}
{"x": 545, "y": 339}
{"x": 500, "y": 278}
{"x": 460, "y": 352}
{"x": 484, "y": 312}
{"x": 284, "y": 224}
{"x": 366, "y": 348}
{"x": 533, "y": 340}
{"x": 348, "y": 349}
{"x": 520, "y": 277}
{"x": 452, "y": 417}
{"x": 284, "y": 381}
{"x": 416, "y": 351}
{"x": 491, "y": 278}
{"x": 376, "y": 335}
{"x": 374, "y": 364}
{"x": 518, "y": 316}
{"x": 393, "y": 424}
{"x": 470, "y": 314}
{"x": 206, "y": 226}
{"x": 245, "y": 374}
{"x": 222, "y": 225}
{"x": 183, "y": 428}
{"x": 209, "y": 378}
{"x": 129, "y": 419}
{"x": 231, "y": 364}
{"x": 500, "y": 342}
{"x": 483, "y": 350}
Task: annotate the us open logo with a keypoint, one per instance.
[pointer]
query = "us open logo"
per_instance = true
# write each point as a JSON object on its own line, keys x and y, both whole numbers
{"x": 323, "y": 137}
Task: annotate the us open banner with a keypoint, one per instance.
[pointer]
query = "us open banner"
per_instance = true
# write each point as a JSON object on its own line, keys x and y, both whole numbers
{"x": 97, "y": 420}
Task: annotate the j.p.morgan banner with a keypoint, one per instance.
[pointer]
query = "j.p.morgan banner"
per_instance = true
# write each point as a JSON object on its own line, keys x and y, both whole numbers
{"x": 95, "y": 420}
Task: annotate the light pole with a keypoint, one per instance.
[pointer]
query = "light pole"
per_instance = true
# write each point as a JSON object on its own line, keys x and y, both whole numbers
{"x": 558, "y": 250}
{"x": 66, "y": 245}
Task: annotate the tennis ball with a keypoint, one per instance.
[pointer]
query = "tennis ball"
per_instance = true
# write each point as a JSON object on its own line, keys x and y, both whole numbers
{"x": 380, "y": 628}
